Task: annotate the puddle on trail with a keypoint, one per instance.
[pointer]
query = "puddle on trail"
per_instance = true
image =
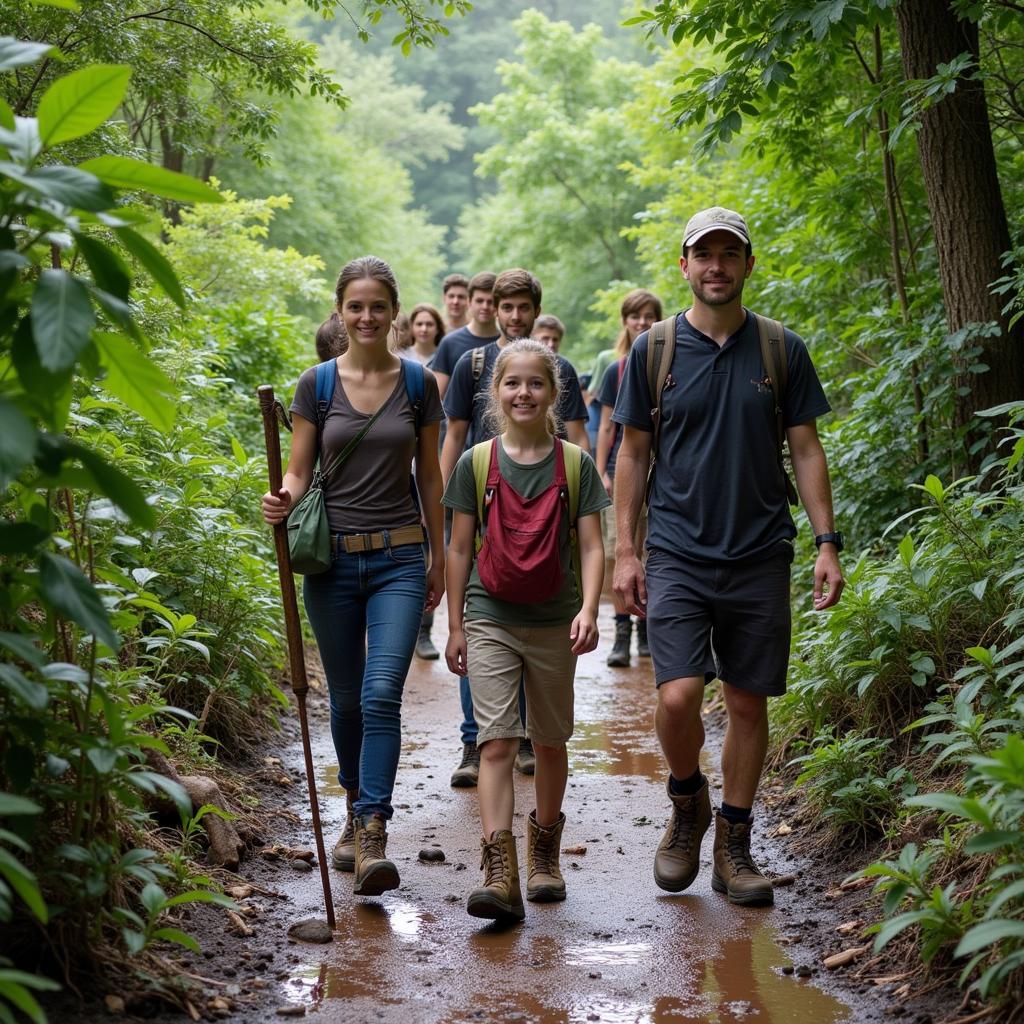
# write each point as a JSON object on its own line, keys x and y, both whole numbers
{"x": 507, "y": 975}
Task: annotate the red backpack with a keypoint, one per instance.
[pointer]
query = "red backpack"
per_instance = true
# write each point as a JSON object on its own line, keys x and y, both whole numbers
{"x": 518, "y": 558}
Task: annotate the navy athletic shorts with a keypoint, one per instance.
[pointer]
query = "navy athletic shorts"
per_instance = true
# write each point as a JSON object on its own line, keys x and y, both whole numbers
{"x": 729, "y": 621}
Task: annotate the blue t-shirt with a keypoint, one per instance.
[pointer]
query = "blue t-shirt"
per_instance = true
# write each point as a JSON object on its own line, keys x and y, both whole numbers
{"x": 453, "y": 345}
{"x": 606, "y": 396}
{"x": 718, "y": 495}
{"x": 467, "y": 399}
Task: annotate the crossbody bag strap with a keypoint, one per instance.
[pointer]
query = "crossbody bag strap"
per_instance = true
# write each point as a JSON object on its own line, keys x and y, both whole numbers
{"x": 351, "y": 446}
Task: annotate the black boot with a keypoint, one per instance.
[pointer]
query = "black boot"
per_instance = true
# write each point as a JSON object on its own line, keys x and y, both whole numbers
{"x": 619, "y": 658}
{"x": 425, "y": 648}
{"x": 641, "y": 639}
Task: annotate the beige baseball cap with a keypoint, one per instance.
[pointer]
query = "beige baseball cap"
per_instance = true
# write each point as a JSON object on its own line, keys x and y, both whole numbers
{"x": 715, "y": 218}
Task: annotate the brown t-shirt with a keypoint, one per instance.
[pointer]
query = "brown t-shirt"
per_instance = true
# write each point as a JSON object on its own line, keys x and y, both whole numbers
{"x": 370, "y": 490}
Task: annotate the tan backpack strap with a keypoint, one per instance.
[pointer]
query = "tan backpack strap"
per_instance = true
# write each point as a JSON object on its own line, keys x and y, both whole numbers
{"x": 661, "y": 348}
{"x": 477, "y": 363}
{"x": 776, "y": 365}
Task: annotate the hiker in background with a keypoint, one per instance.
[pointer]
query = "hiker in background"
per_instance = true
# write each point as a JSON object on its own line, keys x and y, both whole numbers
{"x": 365, "y": 610}
{"x": 721, "y": 388}
{"x": 526, "y": 614}
{"x": 478, "y": 332}
{"x": 331, "y": 338}
{"x": 426, "y": 328}
{"x": 549, "y": 331}
{"x": 517, "y": 295}
{"x": 455, "y": 296}
{"x": 401, "y": 334}
{"x": 639, "y": 310}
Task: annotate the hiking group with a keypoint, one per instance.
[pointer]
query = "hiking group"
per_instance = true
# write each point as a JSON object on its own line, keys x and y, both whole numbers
{"x": 510, "y": 515}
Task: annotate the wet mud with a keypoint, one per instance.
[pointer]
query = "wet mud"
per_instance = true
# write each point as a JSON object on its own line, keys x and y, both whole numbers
{"x": 617, "y": 950}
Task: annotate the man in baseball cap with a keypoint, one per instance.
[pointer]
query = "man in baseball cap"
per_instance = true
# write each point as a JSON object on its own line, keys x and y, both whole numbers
{"x": 715, "y": 587}
{"x": 715, "y": 218}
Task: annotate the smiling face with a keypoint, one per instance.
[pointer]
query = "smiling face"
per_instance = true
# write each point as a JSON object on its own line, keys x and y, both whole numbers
{"x": 516, "y": 314}
{"x": 717, "y": 267}
{"x": 367, "y": 311}
{"x": 639, "y": 321}
{"x": 525, "y": 391}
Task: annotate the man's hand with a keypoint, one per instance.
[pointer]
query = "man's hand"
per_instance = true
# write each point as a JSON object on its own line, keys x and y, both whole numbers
{"x": 630, "y": 584}
{"x": 828, "y": 578}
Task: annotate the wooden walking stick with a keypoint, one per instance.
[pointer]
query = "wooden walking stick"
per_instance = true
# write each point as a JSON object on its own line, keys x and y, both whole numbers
{"x": 272, "y": 410}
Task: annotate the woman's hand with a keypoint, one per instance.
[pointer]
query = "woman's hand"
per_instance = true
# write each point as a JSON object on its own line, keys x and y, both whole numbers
{"x": 583, "y": 633}
{"x": 275, "y": 508}
{"x": 608, "y": 483}
{"x": 455, "y": 650}
{"x": 435, "y": 585}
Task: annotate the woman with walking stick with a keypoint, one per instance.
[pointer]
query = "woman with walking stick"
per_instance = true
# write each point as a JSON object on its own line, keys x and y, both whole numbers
{"x": 365, "y": 609}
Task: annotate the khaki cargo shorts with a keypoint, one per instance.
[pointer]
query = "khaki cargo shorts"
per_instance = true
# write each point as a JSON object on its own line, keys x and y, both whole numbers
{"x": 610, "y": 535}
{"x": 499, "y": 656}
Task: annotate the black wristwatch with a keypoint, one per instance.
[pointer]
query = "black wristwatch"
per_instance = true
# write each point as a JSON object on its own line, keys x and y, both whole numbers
{"x": 829, "y": 538}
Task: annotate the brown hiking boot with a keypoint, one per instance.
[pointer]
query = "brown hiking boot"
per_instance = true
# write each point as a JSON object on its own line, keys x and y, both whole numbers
{"x": 374, "y": 873}
{"x": 499, "y": 897}
{"x": 735, "y": 872}
{"x": 468, "y": 771}
{"x": 343, "y": 856}
{"x": 544, "y": 881}
{"x": 526, "y": 759}
{"x": 619, "y": 657}
{"x": 678, "y": 858}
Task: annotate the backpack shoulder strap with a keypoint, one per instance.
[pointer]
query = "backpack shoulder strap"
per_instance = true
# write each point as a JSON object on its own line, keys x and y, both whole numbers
{"x": 326, "y": 378}
{"x": 481, "y": 464}
{"x": 415, "y": 386}
{"x": 573, "y": 457}
{"x": 661, "y": 347}
{"x": 477, "y": 362}
{"x": 772, "y": 338}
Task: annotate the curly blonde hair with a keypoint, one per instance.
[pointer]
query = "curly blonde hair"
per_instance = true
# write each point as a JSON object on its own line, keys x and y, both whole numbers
{"x": 549, "y": 361}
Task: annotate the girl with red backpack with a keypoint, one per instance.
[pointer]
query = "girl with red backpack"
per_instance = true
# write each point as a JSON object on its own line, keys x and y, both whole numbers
{"x": 524, "y": 607}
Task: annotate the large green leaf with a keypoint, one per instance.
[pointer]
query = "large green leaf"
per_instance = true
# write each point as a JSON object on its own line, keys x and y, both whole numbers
{"x": 11, "y": 804}
{"x": 107, "y": 270}
{"x": 154, "y": 261}
{"x": 34, "y": 695}
{"x": 66, "y": 185}
{"x": 65, "y": 587}
{"x": 22, "y": 142}
{"x": 124, "y": 172}
{"x": 17, "y": 442}
{"x": 116, "y": 485}
{"x": 62, "y": 317}
{"x": 136, "y": 380}
{"x": 77, "y": 103}
{"x": 23, "y": 647}
{"x": 49, "y": 393}
{"x": 14, "y": 53}
{"x": 20, "y": 538}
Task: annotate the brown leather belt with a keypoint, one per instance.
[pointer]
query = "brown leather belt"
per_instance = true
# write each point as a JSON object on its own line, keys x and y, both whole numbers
{"x": 353, "y": 543}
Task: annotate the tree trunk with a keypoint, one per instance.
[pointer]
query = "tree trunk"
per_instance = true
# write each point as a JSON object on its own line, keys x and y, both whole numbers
{"x": 965, "y": 201}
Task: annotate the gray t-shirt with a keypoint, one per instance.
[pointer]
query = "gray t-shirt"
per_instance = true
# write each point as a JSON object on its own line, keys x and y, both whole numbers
{"x": 370, "y": 490}
{"x": 718, "y": 495}
{"x": 528, "y": 481}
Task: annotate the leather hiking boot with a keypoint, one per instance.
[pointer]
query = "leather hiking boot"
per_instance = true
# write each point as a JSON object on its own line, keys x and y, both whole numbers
{"x": 735, "y": 872}
{"x": 425, "y": 648}
{"x": 469, "y": 767}
{"x": 678, "y": 858}
{"x": 374, "y": 872}
{"x": 619, "y": 657}
{"x": 642, "y": 649}
{"x": 500, "y": 896}
{"x": 526, "y": 760}
{"x": 544, "y": 881}
{"x": 343, "y": 856}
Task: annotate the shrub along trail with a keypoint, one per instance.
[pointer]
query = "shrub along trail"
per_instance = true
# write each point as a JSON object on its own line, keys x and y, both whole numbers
{"x": 618, "y": 949}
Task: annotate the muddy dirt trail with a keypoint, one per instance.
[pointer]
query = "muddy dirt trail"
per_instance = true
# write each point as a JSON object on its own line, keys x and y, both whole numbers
{"x": 617, "y": 950}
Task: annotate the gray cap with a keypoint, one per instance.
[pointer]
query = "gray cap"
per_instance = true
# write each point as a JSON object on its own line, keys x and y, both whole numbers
{"x": 716, "y": 218}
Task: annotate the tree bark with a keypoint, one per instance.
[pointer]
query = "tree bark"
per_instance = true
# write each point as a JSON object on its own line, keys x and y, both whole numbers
{"x": 968, "y": 217}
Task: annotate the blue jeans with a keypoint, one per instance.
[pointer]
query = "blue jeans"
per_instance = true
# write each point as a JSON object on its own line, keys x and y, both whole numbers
{"x": 365, "y": 612}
